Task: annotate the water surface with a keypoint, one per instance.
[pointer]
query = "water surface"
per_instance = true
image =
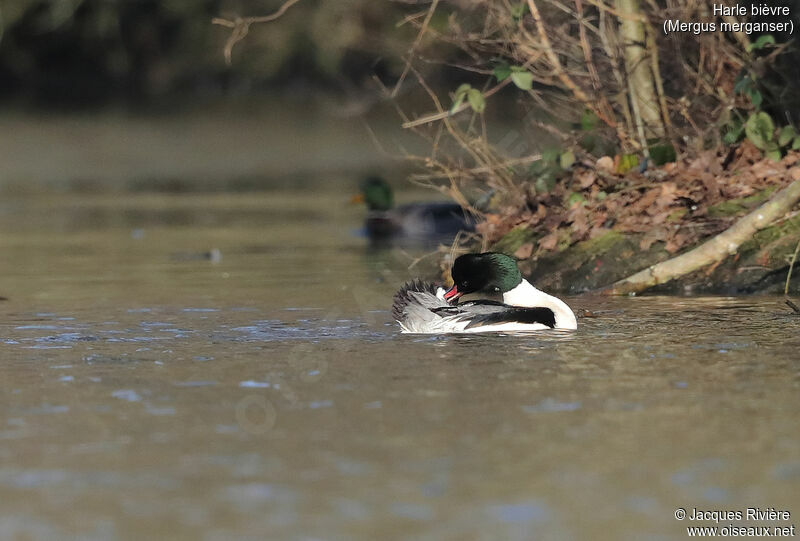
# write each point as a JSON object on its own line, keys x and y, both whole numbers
{"x": 224, "y": 366}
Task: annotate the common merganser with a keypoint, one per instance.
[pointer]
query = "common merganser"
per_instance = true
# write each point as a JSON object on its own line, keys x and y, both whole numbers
{"x": 416, "y": 223}
{"x": 427, "y": 309}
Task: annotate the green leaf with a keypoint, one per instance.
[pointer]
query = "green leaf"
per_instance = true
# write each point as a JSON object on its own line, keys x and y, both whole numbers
{"x": 589, "y": 120}
{"x": 760, "y": 130}
{"x": 566, "y": 159}
{"x": 663, "y": 153}
{"x": 774, "y": 155}
{"x": 459, "y": 97}
{"x": 523, "y": 79}
{"x": 518, "y": 10}
{"x": 456, "y": 104}
{"x": 755, "y": 98}
{"x": 502, "y": 72}
{"x": 627, "y": 162}
{"x": 588, "y": 142}
{"x": 731, "y": 137}
{"x": 462, "y": 89}
{"x": 786, "y": 136}
{"x": 545, "y": 183}
{"x": 537, "y": 168}
{"x": 796, "y": 143}
{"x": 551, "y": 156}
{"x": 476, "y": 100}
{"x": 743, "y": 84}
{"x": 575, "y": 199}
{"x": 601, "y": 195}
{"x": 735, "y": 130}
{"x": 761, "y": 42}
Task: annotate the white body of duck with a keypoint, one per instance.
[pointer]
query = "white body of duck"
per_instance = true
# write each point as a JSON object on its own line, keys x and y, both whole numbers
{"x": 421, "y": 308}
{"x": 424, "y": 308}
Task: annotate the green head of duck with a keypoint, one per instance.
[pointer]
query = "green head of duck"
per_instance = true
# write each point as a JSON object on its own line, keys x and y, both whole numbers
{"x": 489, "y": 272}
{"x": 377, "y": 194}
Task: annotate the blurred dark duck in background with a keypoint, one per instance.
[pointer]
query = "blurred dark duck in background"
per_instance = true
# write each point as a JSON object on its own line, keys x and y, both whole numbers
{"x": 414, "y": 223}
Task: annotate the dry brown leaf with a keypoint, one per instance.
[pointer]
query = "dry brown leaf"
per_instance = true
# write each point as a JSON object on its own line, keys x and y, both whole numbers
{"x": 586, "y": 178}
{"x": 695, "y": 185}
{"x": 580, "y": 221}
{"x": 524, "y": 251}
{"x": 669, "y": 167}
{"x": 661, "y": 217}
{"x": 677, "y": 241}
{"x": 648, "y": 199}
{"x": 765, "y": 169}
{"x": 669, "y": 192}
{"x": 598, "y": 231}
{"x": 549, "y": 242}
{"x": 651, "y": 237}
{"x": 606, "y": 163}
{"x": 672, "y": 246}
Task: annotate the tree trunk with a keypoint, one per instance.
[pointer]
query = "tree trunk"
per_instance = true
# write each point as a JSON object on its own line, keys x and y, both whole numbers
{"x": 642, "y": 89}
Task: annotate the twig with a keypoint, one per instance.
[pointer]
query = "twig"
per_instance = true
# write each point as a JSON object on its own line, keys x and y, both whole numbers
{"x": 241, "y": 26}
{"x": 791, "y": 267}
{"x": 622, "y": 100}
{"x": 409, "y": 18}
{"x": 741, "y": 37}
{"x": 441, "y": 115}
{"x": 793, "y": 306}
{"x": 566, "y": 80}
{"x": 554, "y": 60}
{"x": 414, "y": 46}
{"x": 587, "y": 57}
{"x": 438, "y": 105}
{"x": 587, "y": 51}
{"x": 479, "y": 170}
{"x": 416, "y": 260}
{"x": 620, "y": 15}
{"x": 652, "y": 46}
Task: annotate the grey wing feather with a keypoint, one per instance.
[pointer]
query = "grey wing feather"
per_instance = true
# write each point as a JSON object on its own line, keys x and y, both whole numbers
{"x": 418, "y": 309}
{"x": 415, "y": 304}
{"x": 413, "y": 293}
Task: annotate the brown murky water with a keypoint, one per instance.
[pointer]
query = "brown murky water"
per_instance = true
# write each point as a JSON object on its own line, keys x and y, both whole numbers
{"x": 148, "y": 392}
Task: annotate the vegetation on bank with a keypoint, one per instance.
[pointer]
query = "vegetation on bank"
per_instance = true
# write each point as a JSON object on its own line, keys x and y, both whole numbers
{"x": 668, "y": 141}
{"x": 662, "y": 142}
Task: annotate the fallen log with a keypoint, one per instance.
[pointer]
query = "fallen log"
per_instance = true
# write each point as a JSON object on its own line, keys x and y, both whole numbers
{"x": 715, "y": 249}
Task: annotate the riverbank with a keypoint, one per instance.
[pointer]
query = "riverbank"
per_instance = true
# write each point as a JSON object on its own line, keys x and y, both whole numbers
{"x": 599, "y": 226}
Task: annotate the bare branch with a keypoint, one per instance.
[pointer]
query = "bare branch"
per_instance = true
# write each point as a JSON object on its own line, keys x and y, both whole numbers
{"x": 441, "y": 115}
{"x": 414, "y": 46}
{"x": 240, "y": 26}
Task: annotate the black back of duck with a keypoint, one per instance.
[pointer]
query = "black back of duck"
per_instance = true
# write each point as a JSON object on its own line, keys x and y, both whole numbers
{"x": 418, "y": 224}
